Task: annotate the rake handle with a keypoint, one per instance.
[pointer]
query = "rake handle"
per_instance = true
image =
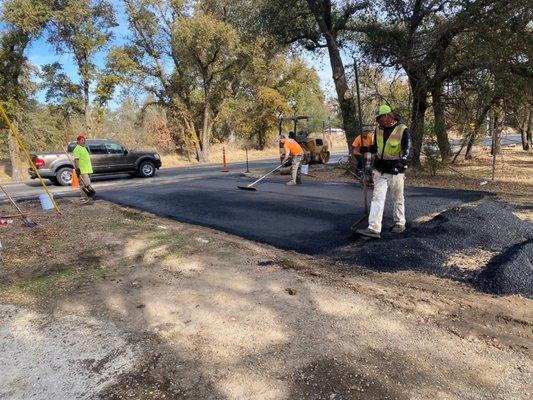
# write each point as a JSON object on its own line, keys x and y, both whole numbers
{"x": 11, "y": 200}
{"x": 264, "y": 176}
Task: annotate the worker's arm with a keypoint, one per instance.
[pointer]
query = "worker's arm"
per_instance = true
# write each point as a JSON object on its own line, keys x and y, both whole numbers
{"x": 407, "y": 148}
{"x": 76, "y": 161}
{"x": 356, "y": 145}
{"x": 407, "y": 151}
{"x": 287, "y": 151}
{"x": 373, "y": 148}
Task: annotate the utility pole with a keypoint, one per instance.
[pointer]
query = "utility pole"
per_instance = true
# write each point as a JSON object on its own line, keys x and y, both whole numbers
{"x": 359, "y": 109}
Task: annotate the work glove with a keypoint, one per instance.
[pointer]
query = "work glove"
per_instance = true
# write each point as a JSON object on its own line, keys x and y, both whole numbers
{"x": 78, "y": 172}
{"x": 398, "y": 168}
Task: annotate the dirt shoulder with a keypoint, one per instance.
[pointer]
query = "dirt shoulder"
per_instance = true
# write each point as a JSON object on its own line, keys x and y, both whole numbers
{"x": 128, "y": 305}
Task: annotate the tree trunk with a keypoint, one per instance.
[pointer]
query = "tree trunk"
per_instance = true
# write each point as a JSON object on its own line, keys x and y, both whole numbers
{"x": 14, "y": 156}
{"x": 479, "y": 120}
{"x": 323, "y": 18}
{"x": 525, "y": 130}
{"x": 87, "y": 107}
{"x": 204, "y": 136}
{"x": 471, "y": 142}
{"x": 191, "y": 132}
{"x": 418, "y": 112}
{"x": 497, "y": 130}
{"x": 440, "y": 123}
{"x": 344, "y": 95}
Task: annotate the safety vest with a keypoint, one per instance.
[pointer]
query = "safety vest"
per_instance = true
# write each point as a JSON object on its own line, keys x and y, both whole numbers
{"x": 292, "y": 147}
{"x": 393, "y": 146}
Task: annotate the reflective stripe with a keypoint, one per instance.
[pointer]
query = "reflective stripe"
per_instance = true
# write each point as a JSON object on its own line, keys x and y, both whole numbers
{"x": 392, "y": 148}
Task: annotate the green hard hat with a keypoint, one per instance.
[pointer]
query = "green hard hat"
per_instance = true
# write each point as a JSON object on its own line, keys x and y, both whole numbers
{"x": 384, "y": 109}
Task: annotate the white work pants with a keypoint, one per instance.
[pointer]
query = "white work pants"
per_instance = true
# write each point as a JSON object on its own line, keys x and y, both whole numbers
{"x": 381, "y": 183}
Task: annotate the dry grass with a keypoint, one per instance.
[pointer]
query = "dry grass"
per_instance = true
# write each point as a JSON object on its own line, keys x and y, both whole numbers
{"x": 237, "y": 153}
{"x": 513, "y": 173}
{"x": 234, "y": 153}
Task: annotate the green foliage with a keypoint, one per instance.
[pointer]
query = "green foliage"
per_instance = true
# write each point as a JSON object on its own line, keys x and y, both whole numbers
{"x": 65, "y": 95}
{"x": 272, "y": 86}
{"x": 81, "y": 28}
{"x": 24, "y": 20}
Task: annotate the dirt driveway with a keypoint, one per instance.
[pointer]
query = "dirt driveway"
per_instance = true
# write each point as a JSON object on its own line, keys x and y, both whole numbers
{"x": 116, "y": 304}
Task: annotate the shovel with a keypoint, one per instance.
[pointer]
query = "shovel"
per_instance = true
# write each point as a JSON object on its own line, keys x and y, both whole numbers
{"x": 29, "y": 223}
{"x": 250, "y": 186}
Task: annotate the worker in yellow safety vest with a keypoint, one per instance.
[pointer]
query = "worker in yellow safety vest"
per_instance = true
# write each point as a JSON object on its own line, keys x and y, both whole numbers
{"x": 393, "y": 151}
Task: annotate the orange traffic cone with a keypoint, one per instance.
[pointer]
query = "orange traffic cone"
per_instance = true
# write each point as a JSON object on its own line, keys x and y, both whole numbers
{"x": 75, "y": 183}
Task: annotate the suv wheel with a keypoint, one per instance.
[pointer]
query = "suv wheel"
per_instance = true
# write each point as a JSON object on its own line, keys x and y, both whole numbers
{"x": 64, "y": 176}
{"x": 146, "y": 169}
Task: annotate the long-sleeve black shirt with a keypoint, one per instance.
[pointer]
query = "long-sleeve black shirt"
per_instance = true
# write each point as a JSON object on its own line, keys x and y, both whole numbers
{"x": 387, "y": 166}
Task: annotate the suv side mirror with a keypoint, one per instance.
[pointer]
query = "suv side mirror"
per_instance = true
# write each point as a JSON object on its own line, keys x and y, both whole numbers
{"x": 126, "y": 151}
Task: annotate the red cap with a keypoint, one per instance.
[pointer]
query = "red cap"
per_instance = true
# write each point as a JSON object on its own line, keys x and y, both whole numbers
{"x": 79, "y": 137}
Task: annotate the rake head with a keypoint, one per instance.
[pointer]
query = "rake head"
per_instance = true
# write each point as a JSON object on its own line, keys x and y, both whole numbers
{"x": 247, "y": 188}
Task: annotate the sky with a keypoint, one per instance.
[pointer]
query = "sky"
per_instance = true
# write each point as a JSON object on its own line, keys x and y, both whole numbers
{"x": 41, "y": 53}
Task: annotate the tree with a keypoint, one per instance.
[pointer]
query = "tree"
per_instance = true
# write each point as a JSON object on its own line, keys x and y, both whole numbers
{"x": 187, "y": 56}
{"x": 270, "y": 86}
{"x": 61, "y": 93}
{"x": 317, "y": 25}
{"x": 24, "y": 21}
{"x": 433, "y": 41}
{"x": 502, "y": 83}
{"x": 82, "y": 28}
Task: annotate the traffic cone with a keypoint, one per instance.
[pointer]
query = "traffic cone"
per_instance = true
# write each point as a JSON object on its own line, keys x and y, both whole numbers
{"x": 75, "y": 183}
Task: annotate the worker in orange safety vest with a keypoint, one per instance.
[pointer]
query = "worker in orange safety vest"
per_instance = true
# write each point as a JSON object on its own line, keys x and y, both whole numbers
{"x": 293, "y": 150}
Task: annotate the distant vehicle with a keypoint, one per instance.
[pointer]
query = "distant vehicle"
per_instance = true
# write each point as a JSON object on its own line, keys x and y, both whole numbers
{"x": 107, "y": 157}
{"x": 336, "y": 131}
{"x": 316, "y": 146}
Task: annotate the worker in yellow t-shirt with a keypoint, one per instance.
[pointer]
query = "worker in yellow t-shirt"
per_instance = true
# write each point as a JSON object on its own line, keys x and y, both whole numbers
{"x": 83, "y": 166}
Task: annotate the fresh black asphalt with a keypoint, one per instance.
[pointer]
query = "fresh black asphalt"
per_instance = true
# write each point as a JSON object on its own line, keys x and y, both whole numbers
{"x": 313, "y": 218}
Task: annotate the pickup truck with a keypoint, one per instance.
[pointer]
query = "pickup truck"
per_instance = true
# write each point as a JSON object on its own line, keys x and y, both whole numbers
{"x": 107, "y": 157}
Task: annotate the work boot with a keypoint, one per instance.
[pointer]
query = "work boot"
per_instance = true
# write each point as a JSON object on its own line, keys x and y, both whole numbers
{"x": 369, "y": 233}
{"x": 398, "y": 228}
{"x": 291, "y": 183}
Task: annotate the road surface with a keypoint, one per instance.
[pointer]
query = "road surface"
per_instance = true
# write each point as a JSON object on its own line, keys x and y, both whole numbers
{"x": 32, "y": 188}
{"x": 313, "y": 218}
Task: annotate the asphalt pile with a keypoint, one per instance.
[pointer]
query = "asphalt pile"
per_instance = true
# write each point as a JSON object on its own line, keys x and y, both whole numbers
{"x": 425, "y": 247}
{"x": 511, "y": 272}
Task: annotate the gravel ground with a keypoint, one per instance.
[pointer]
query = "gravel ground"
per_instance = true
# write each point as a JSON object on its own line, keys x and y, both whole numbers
{"x": 67, "y": 357}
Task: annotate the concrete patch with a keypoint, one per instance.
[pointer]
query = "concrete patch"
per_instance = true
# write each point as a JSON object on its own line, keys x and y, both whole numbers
{"x": 46, "y": 357}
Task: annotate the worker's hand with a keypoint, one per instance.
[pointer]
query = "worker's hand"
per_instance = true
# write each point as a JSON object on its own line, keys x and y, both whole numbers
{"x": 284, "y": 161}
{"x": 78, "y": 172}
{"x": 399, "y": 167}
